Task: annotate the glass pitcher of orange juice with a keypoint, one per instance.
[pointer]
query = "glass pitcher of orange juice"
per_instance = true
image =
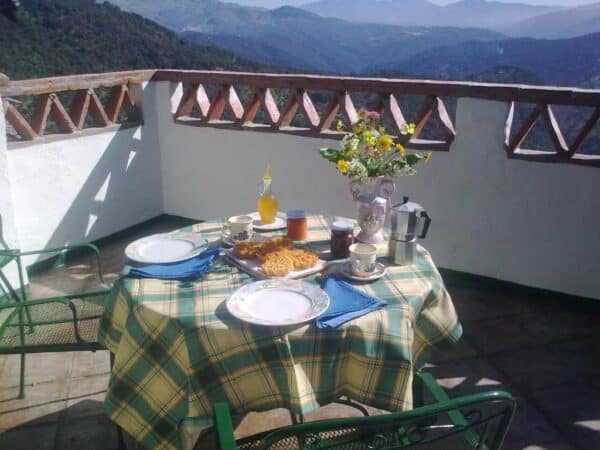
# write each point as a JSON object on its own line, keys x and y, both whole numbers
{"x": 267, "y": 203}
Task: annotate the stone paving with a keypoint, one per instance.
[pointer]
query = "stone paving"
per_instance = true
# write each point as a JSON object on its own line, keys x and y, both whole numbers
{"x": 542, "y": 347}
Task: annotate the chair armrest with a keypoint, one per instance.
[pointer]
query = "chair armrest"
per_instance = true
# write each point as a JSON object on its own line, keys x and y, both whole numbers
{"x": 66, "y": 248}
{"x": 62, "y": 251}
{"x": 223, "y": 427}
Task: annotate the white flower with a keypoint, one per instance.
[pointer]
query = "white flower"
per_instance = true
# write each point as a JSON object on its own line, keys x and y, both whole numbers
{"x": 407, "y": 170}
{"x": 349, "y": 142}
{"x": 356, "y": 169}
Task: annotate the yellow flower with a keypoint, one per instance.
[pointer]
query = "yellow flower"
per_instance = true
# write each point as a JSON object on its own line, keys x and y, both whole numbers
{"x": 384, "y": 142}
{"x": 339, "y": 126}
{"x": 410, "y": 128}
{"x": 342, "y": 166}
{"x": 400, "y": 149}
{"x": 369, "y": 138}
{"x": 427, "y": 157}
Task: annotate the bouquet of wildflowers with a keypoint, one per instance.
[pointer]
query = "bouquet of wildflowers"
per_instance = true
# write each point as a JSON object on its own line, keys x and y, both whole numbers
{"x": 368, "y": 151}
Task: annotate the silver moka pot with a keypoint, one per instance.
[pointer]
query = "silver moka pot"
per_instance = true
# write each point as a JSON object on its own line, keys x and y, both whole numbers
{"x": 409, "y": 222}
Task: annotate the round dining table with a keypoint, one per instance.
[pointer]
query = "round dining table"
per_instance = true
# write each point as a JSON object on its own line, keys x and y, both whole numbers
{"x": 177, "y": 349}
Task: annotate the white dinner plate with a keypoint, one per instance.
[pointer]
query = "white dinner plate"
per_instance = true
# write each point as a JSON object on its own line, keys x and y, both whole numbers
{"x": 278, "y": 224}
{"x": 278, "y": 302}
{"x": 379, "y": 271}
{"x": 166, "y": 248}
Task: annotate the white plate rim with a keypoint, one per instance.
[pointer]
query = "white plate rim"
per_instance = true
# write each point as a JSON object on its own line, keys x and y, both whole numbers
{"x": 381, "y": 270}
{"x": 317, "y": 296}
{"x": 132, "y": 254}
{"x": 269, "y": 227}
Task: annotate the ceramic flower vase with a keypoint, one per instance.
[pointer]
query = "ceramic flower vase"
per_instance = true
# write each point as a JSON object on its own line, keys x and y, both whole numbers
{"x": 371, "y": 195}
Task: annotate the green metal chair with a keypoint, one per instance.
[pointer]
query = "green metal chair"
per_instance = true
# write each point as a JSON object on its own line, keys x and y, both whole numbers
{"x": 477, "y": 421}
{"x": 56, "y": 314}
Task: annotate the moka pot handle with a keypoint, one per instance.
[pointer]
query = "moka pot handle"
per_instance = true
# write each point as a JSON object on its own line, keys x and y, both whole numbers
{"x": 425, "y": 224}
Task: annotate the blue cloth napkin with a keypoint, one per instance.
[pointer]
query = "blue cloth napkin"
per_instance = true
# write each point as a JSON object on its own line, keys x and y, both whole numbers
{"x": 183, "y": 270}
{"x": 346, "y": 303}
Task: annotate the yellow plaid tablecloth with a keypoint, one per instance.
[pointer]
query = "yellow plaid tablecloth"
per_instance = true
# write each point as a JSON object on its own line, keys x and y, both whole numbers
{"x": 178, "y": 350}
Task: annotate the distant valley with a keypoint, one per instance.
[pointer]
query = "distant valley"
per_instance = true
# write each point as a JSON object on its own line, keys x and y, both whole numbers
{"x": 296, "y": 39}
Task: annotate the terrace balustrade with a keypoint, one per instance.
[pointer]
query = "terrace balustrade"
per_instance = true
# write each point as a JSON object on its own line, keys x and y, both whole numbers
{"x": 317, "y": 122}
{"x": 197, "y": 108}
{"x": 182, "y": 129}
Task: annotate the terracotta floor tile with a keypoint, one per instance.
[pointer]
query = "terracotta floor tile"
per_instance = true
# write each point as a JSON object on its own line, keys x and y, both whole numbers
{"x": 90, "y": 363}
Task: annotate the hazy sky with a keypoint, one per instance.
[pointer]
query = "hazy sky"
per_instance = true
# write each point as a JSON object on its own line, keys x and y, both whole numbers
{"x": 277, "y": 3}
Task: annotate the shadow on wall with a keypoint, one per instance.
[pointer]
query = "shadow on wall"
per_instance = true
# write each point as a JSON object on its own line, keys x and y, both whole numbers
{"x": 116, "y": 194}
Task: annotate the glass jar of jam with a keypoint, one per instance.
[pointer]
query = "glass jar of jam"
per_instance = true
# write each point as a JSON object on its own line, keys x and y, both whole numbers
{"x": 342, "y": 237}
{"x": 297, "y": 226}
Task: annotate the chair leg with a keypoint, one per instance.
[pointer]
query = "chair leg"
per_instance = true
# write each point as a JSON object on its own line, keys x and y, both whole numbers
{"x": 348, "y": 402}
{"x": 22, "y": 377}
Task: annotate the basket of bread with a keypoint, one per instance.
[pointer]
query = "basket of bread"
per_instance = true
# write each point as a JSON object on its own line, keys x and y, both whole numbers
{"x": 274, "y": 257}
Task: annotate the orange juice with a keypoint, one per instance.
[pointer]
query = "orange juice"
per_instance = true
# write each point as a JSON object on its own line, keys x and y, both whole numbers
{"x": 267, "y": 203}
{"x": 267, "y": 208}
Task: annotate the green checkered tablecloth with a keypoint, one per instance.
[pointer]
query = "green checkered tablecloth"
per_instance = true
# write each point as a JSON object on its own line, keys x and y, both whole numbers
{"x": 178, "y": 350}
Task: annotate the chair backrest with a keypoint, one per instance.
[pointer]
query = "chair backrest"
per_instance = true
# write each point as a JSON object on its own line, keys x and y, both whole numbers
{"x": 7, "y": 292}
{"x": 3, "y": 245}
{"x": 4, "y": 250}
{"x": 472, "y": 422}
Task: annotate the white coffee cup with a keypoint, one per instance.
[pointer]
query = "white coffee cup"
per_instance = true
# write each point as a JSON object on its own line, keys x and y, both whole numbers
{"x": 238, "y": 228}
{"x": 363, "y": 258}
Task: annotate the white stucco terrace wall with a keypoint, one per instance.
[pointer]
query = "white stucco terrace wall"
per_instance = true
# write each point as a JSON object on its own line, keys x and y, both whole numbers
{"x": 8, "y": 230}
{"x": 84, "y": 188}
{"x": 531, "y": 223}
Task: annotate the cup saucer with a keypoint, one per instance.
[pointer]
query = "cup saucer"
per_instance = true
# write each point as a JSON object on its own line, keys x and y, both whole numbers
{"x": 227, "y": 240}
{"x": 380, "y": 270}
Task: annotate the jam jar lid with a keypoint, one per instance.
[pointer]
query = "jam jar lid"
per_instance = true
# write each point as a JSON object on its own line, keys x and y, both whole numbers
{"x": 296, "y": 214}
{"x": 341, "y": 225}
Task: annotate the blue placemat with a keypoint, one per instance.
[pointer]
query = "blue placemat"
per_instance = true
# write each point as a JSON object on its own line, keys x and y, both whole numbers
{"x": 184, "y": 270}
{"x": 346, "y": 303}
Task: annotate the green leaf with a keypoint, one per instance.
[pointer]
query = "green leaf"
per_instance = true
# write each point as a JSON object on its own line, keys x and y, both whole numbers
{"x": 413, "y": 158}
{"x": 331, "y": 154}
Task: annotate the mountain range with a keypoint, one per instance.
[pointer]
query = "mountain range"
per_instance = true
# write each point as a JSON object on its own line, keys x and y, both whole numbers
{"x": 574, "y": 62}
{"x": 77, "y": 36}
{"x": 464, "y": 13}
{"x": 559, "y": 24}
{"x": 297, "y": 39}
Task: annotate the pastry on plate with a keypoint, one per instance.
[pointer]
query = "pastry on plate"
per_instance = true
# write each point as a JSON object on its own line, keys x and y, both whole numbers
{"x": 246, "y": 249}
{"x": 303, "y": 259}
{"x": 277, "y": 264}
{"x": 275, "y": 243}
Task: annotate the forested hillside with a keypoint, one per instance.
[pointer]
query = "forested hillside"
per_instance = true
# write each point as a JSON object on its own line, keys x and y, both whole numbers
{"x": 58, "y": 37}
